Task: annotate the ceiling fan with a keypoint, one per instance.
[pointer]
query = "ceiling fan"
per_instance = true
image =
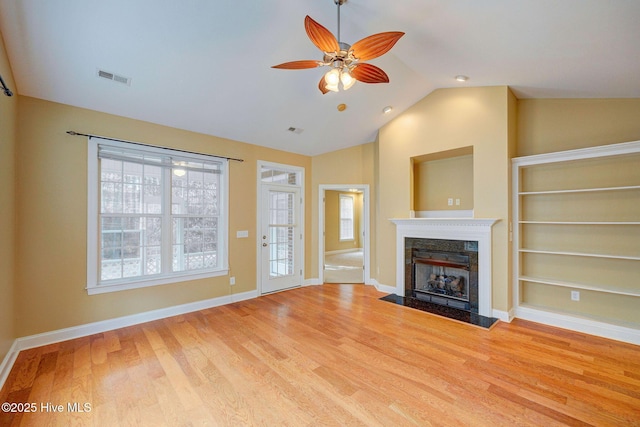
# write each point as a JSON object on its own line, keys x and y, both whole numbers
{"x": 345, "y": 61}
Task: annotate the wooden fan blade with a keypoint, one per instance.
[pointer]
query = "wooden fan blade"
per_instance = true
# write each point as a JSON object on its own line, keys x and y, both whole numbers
{"x": 367, "y": 73}
{"x": 298, "y": 65}
{"x": 320, "y": 36}
{"x": 322, "y": 86}
{"x": 375, "y": 45}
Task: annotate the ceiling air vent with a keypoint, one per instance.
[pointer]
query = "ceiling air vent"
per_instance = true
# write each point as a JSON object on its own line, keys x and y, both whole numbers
{"x": 297, "y": 131}
{"x": 114, "y": 77}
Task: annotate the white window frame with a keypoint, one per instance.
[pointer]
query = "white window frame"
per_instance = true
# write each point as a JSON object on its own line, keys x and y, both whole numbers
{"x": 352, "y": 218}
{"x": 93, "y": 242}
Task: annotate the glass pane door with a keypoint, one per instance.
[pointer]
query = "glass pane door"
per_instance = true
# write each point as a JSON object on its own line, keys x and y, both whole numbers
{"x": 280, "y": 239}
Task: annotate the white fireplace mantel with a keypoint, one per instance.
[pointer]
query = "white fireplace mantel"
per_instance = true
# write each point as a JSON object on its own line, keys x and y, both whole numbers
{"x": 474, "y": 229}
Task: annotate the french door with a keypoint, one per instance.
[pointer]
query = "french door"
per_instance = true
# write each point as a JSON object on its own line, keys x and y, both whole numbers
{"x": 280, "y": 238}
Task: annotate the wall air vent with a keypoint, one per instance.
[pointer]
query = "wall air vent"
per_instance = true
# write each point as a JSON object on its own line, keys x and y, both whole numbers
{"x": 114, "y": 77}
{"x": 297, "y": 131}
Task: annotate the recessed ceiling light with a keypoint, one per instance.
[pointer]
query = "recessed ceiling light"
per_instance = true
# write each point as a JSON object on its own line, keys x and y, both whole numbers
{"x": 462, "y": 78}
{"x": 387, "y": 109}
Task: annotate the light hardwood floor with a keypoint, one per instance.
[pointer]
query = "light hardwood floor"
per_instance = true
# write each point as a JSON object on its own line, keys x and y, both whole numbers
{"x": 328, "y": 355}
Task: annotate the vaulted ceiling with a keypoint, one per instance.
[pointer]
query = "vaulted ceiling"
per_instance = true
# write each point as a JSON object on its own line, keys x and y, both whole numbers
{"x": 205, "y": 66}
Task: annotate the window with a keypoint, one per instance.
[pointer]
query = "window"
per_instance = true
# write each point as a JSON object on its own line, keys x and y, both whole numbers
{"x": 346, "y": 217}
{"x": 156, "y": 216}
{"x": 280, "y": 176}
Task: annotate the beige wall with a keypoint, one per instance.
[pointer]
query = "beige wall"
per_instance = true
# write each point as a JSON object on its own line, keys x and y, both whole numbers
{"x": 435, "y": 181}
{"x": 354, "y": 165}
{"x": 52, "y": 205}
{"x": 549, "y": 125}
{"x": 450, "y": 119}
{"x": 8, "y": 117}
{"x": 332, "y": 240}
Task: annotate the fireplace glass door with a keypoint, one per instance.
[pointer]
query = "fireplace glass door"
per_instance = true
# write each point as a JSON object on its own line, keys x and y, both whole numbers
{"x": 441, "y": 278}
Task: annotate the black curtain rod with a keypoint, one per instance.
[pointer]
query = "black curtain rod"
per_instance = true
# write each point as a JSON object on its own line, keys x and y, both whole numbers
{"x": 73, "y": 133}
{"x": 4, "y": 88}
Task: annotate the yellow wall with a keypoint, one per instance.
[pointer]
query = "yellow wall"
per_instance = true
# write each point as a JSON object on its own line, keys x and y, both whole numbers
{"x": 444, "y": 120}
{"x": 436, "y": 181}
{"x": 332, "y": 240}
{"x": 52, "y": 208}
{"x": 8, "y": 117}
{"x": 350, "y": 166}
{"x": 549, "y": 125}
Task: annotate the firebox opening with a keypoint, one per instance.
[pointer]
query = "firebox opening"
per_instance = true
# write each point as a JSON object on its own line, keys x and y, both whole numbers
{"x": 442, "y": 278}
{"x": 443, "y": 272}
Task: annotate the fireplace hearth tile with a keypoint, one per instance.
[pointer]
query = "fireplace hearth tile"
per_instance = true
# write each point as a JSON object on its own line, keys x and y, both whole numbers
{"x": 449, "y": 312}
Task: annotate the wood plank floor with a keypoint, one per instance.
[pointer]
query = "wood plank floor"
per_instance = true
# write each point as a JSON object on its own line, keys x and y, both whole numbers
{"x": 322, "y": 356}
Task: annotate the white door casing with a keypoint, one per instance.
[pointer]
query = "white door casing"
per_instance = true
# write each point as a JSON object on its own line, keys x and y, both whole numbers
{"x": 280, "y": 237}
{"x": 365, "y": 225}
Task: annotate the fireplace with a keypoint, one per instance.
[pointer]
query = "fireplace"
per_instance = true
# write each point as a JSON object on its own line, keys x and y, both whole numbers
{"x": 454, "y": 250}
{"x": 442, "y": 271}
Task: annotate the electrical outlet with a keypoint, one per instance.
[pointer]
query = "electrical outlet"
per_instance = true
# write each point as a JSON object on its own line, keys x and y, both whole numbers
{"x": 450, "y": 201}
{"x": 575, "y": 295}
{"x": 457, "y": 202}
{"x": 232, "y": 280}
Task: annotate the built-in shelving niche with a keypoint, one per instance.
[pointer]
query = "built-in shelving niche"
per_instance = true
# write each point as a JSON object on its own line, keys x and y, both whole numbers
{"x": 577, "y": 233}
{"x": 442, "y": 178}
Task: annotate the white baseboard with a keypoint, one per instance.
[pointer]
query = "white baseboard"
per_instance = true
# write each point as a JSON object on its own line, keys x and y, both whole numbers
{"x": 122, "y": 322}
{"x": 79, "y": 331}
{"x": 7, "y": 362}
{"x": 504, "y": 316}
{"x": 578, "y": 324}
{"x": 380, "y": 287}
{"x": 312, "y": 282}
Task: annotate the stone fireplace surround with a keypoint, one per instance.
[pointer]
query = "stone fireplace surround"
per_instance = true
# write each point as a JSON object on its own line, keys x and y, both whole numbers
{"x": 465, "y": 229}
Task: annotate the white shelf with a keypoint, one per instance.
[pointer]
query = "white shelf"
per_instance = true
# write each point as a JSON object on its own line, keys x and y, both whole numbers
{"x": 582, "y": 286}
{"x": 580, "y": 190}
{"x": 582, "y": 222}
{"x": 579, "y": 254}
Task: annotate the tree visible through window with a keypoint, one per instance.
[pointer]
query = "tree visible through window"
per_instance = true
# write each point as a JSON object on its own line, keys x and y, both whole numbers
{"x": 346, "y": 217}
{"x": 159, "y": 215}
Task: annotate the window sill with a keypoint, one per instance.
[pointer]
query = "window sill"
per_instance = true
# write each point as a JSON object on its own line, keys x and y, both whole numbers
{"x": 124, "y": 286}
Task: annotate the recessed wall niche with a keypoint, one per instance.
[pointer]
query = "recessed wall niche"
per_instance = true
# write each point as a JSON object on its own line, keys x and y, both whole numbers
{"x": 442, "y": 183}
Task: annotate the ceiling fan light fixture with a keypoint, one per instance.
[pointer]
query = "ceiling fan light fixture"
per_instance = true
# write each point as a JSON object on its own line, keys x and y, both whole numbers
{"x": 332, "y": 77}
{"x": 332, "y": 88}
{"x": 346, "y": 79}
{"x": 346, "y": 61}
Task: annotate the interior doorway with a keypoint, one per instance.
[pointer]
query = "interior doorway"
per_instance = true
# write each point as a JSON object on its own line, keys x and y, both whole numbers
{"x": 344, "y": 234}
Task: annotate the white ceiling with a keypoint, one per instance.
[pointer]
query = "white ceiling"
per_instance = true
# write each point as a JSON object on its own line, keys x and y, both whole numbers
{"x": 204, "y": 65}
